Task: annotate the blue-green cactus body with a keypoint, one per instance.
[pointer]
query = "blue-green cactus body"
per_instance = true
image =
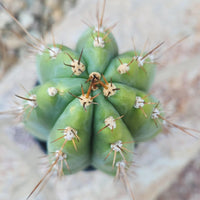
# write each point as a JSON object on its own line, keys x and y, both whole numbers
{"x": 92, "y": 104}
{"x": 74, "y": 116}
{"x": 41, "y": 119}
{"x": 103, "y": 140}
{"x": 51, "y": 63}
{"x": 137, "y": 77}
{"x": 97, "y": 58}
{"x": 142, "y": 128}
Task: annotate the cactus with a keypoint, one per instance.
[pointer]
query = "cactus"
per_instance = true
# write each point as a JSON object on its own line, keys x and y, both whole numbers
{"x": 62, "y": 110}
{"x": 93, "y": 104}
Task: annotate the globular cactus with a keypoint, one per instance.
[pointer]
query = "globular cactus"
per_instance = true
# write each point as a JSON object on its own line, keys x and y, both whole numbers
{"x": 62, "y": 110}
{"x": 92, "y": 104}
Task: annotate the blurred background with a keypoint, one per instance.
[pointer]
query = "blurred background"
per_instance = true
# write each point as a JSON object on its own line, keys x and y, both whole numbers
{"x": 36, "y": 16}
{"x": 168, "y": 166}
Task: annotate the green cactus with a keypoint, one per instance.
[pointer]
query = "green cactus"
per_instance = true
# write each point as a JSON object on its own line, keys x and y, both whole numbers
{"x": 62, "y": 110}
{"x": 93, "y": 104}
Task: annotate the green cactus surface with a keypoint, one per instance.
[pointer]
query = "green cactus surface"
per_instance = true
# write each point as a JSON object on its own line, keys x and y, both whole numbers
{"x": 92, "y": 104}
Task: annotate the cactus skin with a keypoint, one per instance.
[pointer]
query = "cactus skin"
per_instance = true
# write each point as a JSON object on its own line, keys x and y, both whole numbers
{"x": 46, "y": 66}
{"x": 58, "y": 110}
{"x": 42, "y": 118}
{"x": 97, "y": 58}
{"x": 136, "y": 77}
